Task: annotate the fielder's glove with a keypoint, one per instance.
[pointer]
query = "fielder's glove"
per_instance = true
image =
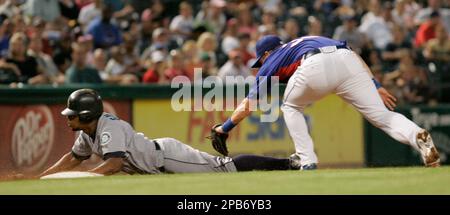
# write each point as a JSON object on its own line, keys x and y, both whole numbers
{"x": 219, "y": 140}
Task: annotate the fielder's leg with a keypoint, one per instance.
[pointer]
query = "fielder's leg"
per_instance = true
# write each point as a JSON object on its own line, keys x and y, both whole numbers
{"x": 307, "y": 85}
{"x": 360, "y": 91}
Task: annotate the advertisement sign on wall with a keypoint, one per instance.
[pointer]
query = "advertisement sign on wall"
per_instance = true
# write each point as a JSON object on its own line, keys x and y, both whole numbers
{"x": 35, "y": 136}
{"x": 334, "y": 125}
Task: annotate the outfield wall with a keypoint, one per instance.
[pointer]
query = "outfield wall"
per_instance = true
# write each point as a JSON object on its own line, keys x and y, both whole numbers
{"x": 34, "y": 135}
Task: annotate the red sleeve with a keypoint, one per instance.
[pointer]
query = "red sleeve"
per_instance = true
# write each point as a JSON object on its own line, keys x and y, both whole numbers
{"x": 419, "y": 36}
{"x": 169, "y": 74}
{"x": 150, "y": 77}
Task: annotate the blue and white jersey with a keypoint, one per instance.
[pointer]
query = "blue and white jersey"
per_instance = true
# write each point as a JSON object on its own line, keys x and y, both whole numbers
{"x": 284, "y": 60}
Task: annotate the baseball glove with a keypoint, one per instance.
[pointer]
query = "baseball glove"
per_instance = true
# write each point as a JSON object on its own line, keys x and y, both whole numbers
{"x": 219, "y": 140}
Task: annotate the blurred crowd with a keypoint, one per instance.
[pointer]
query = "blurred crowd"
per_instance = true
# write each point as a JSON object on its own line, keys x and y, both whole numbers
{"x": 405, "y": 42}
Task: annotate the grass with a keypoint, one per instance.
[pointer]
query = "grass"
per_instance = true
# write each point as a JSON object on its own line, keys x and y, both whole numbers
{"x": 410, "y": 180}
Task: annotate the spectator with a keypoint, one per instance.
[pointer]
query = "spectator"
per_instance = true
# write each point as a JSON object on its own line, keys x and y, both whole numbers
{"x": 79, "y": 72}
{"x": 401, "y": 15}
{"x": 89, "y": 13}
{"x": 433, "y": 6}
{"x": 30, "y": 73}
{"x": 374, "y": 25}
{"x": 314, "y": 26}
{"x": 290, "y": 30}
{"x": 105, "y": 33}
{"x": 83, "y": 3}
{"x": 146, "y": 29}
{"x": 10, "y": 8}
{"x": 121, "y": 9}
{"x": 9, "y": 73}
{"x": 437, "y": 53}
{"x": 175, "y": 66}
{"x": 62, "y": 50}
{"x": 138, "y": 5}
{"x": 44, "y": 61}
{"x": 410, "y": 82}
{"x": 69, "y": 9}
{"x": 190, "y": 56}
{"x": 349, "y": 32}
{"x": 155, "y": 73}
{"x": 38, "y": 27}
{"x": 19, "y": 24}
{"x": 246, "y": 54}
{"x": 131, "y": 52}
{"x": 205, "y": 66}
{"x": 116, "y": 6}
{"x": 6, "y": 30}
{"x": 62, "y": 63}
{"x": 427, "y": 30}
{"x": 159, "y": 14}
{"x": 245, "y": 20}
{"x": 268, "y": 19}
{"x": 230, "y": 37}
{"x": 49, "y": 11}
{"x": 329, "y": 16}
{"x": 182, "y": 25}
{"x": 86, "y": 42}
{"x": 213, "y": 17}
{"x": 160, "y": 42}
{"x": 264, "y": 30}
{"x": 438, "y": 49}
{"x": 207, "y": 44}
{"x": 117, "y": 72}
{"x": 234, "y": 67}
{"x": 100, "y": 60}
{"x": 396, "y": 49}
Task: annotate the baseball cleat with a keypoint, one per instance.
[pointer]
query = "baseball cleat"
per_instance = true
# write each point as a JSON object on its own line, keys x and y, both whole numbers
{"x": 294, "y": 162}
{"x": 311, "y": 166}
{"x": 428, "y": 151}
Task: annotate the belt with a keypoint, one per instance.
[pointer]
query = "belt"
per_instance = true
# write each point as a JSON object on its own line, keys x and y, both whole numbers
{"x": 312, "y": 52}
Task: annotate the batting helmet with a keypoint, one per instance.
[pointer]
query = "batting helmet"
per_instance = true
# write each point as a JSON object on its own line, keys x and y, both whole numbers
{"x": 84, "y": 103}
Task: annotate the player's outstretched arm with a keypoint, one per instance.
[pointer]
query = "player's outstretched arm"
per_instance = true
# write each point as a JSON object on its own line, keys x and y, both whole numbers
{"x": 241, "y": 112}
{"x": 219, "y": 133}
{"x": 109, "y": 167}
{"x": 67, "y": 162}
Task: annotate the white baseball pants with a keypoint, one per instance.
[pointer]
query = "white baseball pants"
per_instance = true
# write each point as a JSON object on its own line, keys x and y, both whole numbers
{"x": 342, "y": 72}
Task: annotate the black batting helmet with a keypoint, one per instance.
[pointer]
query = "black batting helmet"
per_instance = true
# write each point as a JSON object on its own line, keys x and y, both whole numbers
{"x": 84, "y": 103}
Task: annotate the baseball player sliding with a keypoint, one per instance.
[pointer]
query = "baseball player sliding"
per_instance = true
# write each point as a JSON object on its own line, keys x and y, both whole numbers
{"x": 314, "y": 67}
{"x": 123, "y": 149}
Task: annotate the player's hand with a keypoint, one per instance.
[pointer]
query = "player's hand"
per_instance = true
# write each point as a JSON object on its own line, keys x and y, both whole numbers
{"x": 219, "y": 139}
{"x": 219, "y": 129}
{"x": 388, "y": 99}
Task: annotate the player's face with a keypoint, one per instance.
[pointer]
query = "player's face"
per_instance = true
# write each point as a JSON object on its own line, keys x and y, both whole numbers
{"x": 74, "y": 123}
{"x": 264, "y": 57}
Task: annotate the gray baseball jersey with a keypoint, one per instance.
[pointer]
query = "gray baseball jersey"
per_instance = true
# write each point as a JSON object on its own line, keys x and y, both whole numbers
{"x": 116, "y": 138}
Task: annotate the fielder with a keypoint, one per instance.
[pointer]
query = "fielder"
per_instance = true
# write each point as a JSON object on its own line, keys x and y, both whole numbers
{"x": 314, "y": 67}
{"x": 122, "y": 149}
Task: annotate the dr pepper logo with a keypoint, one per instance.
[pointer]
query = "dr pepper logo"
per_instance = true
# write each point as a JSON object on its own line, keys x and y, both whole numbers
{"x": 32, "y": 137}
